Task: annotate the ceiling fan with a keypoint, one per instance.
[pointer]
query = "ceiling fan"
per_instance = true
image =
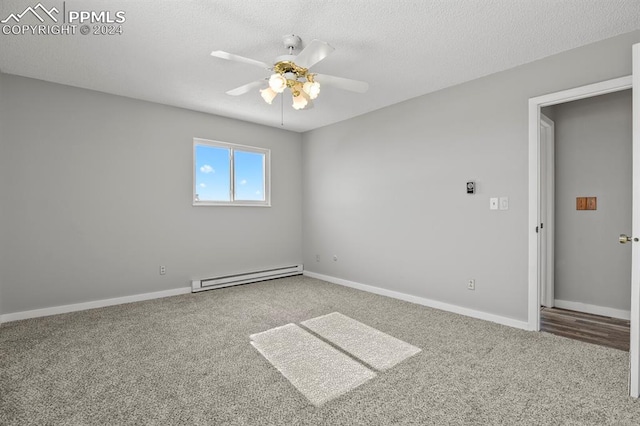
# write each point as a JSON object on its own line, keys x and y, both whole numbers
{"x": 292, "y": 72}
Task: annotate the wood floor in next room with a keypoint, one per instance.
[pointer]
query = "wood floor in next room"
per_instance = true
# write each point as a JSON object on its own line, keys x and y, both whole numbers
{"x": 605, "y": 331}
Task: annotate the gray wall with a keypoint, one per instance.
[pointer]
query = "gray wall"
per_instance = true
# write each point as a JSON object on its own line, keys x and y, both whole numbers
{"x": 593, "y": 158}
{"x": 100, "y": 196}
{"x": 386, "y": 191}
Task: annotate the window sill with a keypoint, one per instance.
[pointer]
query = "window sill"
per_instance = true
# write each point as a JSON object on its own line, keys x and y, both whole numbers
{"x": 236, "y": 204}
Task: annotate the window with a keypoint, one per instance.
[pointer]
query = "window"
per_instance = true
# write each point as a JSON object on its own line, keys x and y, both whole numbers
{"x": 226, "y": 174}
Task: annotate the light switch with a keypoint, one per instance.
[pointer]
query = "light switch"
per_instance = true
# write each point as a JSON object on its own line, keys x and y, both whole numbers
{"x": 493, "y": 203}
{"x": 504, "y": 203}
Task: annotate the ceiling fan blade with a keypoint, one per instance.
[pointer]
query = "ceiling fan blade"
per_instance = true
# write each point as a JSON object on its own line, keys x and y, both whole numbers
{"x": 342, "y": 83}
{"x": 231, "y": 57}
{"x": 312, "y": 54}
{"x": 245, "y": 88}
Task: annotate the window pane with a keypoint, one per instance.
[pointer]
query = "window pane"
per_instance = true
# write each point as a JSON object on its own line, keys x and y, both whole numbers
{"x": 213, "y": 180}
{"x": 249, "y": 176}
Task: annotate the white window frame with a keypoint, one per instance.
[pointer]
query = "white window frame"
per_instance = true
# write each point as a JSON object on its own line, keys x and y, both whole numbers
{"x": 232, "y": 147}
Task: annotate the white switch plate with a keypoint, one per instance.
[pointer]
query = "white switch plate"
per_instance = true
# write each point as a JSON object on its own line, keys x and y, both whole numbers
{"x": 504, "y": 203}
{"x": 493, "y": 203}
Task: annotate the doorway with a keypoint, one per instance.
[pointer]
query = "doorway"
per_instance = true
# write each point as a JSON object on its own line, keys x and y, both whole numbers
{"x": 586, "y": 153}
{"x": 536, "y": 200}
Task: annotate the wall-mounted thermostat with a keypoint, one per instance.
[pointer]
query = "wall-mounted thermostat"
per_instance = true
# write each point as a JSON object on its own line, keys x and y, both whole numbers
{"x": 471, "y": 187}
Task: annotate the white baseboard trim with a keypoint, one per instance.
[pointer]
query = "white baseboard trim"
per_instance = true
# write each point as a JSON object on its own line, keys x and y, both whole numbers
{"x": 593, "y": 309}
{"x": 423, "y": 301}
{"x": 91, "y": 305}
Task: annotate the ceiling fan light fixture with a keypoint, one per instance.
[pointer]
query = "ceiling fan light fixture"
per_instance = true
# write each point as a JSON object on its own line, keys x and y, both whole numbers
{"x": 268, "y": 95}
{"x": 277, "y": 83}
{"x": 299, "y": 100}
{"x": 311, "y": 88}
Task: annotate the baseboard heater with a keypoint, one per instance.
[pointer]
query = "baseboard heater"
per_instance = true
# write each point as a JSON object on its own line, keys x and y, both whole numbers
{"x": 244, "y": 278}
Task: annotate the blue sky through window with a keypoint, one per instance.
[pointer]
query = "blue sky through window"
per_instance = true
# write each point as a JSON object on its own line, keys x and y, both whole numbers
{"x": 213, "y": 178}
{"x": 213, "y": 174}
{"x": 249, "y": 173}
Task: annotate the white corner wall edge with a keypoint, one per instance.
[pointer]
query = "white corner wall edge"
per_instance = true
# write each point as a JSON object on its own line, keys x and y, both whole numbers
{"x": 524, "y": 325}
{"x": 55, "y": 310}
{"x": 592, "y": 309}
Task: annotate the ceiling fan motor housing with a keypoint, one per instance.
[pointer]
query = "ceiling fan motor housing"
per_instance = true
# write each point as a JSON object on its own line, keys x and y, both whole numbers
{"x": 291, "y": 42}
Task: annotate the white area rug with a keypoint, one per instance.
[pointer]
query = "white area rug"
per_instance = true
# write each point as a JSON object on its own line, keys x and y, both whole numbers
{"x": 377, "y": 349}
{"x": 319, "y": 371}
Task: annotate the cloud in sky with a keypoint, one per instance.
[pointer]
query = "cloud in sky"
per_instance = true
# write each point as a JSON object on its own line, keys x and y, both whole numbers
{"x": 243, "y": 182}
{"x": 203, "y": 185}
{"x": 207, "y": 169}
{"x": 258, "y": 192}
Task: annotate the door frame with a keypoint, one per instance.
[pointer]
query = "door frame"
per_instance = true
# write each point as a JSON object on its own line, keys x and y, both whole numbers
{"x": 534, "y": 278}
{"x": 547, "y": 211}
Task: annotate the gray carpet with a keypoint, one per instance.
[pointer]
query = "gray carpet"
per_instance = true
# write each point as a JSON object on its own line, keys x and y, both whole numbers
{"x": 187, "y": 360}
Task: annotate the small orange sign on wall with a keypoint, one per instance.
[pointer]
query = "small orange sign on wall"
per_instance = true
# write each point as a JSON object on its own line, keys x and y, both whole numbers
{"x": 581, "y": 203}
{"x": 587, "y": 203}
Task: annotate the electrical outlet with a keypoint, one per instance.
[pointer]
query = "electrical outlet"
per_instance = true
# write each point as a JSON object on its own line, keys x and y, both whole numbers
{"x": 335, "y": 257}
{"x": 471, "y": 285}
{"x": 317, "y": 258}
{"x": 163, "y": 270}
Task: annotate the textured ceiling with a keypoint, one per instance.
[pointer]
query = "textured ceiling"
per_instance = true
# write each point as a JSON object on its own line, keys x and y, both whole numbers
{"x": 403, "y": 49}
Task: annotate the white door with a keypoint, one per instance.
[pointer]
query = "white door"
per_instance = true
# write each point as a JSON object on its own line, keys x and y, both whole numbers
{"x": 547, "y": 208}
{"x": 634, "y": 353}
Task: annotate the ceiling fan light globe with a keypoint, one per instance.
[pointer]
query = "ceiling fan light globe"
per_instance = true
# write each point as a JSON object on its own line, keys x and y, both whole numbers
{"x": 299, "y": 102}
{"x": 312, "y": 89}
{"x": 268, "y": 95}
{"x": 277, "y": 83}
